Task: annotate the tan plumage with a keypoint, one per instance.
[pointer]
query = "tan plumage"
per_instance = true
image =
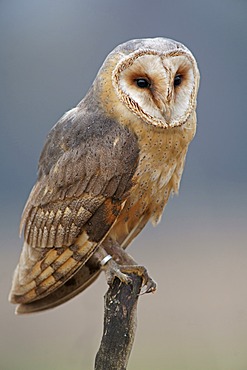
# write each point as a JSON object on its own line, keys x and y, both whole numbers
{"x": 107, "y": 167}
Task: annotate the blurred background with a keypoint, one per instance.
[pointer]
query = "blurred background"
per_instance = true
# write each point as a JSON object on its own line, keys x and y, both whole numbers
{"x": 50, "y": 52}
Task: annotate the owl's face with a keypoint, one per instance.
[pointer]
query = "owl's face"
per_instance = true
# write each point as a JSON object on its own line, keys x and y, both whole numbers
{"x": 157, "y": 80}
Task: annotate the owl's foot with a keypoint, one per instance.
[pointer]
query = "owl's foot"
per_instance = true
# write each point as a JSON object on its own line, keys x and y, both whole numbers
{"x": 117, "y": 263}
{"x": 148, "y": 284}
{"x": 113, "y": 269}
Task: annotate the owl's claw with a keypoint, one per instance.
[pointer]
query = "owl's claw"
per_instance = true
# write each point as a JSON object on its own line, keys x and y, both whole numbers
{"x": 149, "y": 287}
{"x": 148, "y": 284}
{"x": 113, "y": 269}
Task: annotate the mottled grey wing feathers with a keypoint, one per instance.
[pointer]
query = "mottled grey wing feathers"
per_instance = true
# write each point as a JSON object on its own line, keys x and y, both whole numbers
{"x": 85, "y": 174}
{"x": 59, "y": 224}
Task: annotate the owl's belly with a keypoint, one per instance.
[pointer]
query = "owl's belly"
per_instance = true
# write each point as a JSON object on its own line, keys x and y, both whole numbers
{"x": 153, "y": 185}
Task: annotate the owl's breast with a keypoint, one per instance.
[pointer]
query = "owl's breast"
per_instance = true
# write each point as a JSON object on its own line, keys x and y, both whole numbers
{"x": 159, "y": 157}
{"x": 162, "y": 155}
{"x": 160, "y": 167}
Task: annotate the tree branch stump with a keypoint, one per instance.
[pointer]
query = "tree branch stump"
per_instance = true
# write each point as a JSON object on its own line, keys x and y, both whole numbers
{"x": 120, "y": 314}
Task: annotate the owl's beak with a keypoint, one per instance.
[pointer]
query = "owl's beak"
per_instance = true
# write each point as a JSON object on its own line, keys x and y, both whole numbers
{"x": 167, "y": 115}
{"x": 164, "y": 107}
{"x": 164, "y": 103}
{"x": 168, "y": 101}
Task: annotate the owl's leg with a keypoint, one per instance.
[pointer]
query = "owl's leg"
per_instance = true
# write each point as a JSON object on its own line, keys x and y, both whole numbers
{"x": 117, "y": 263}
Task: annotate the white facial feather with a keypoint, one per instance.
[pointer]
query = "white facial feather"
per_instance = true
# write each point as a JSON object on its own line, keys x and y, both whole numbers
{"x": 148, "y": 66}
{"x": 163, "y": 103}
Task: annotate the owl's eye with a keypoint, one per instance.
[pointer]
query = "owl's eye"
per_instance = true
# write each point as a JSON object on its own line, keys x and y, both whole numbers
{"x": 142, "y": 83}
{"x": 177, "y": 80}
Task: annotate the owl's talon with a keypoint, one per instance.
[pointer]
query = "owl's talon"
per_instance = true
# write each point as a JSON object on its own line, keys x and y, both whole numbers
{"x": 150, "y": 287}
{"x": 148, "y": 284}
{"x": 112, "y": 270}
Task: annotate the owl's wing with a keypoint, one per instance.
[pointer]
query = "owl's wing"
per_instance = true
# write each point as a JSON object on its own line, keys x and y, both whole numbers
{"x": 89, "y": 272}
{"x": 85, "y": 174}
{"x": 82, "y": 278}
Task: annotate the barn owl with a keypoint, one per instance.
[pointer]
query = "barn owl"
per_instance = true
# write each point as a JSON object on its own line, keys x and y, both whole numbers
{"x": 108, "y": 166}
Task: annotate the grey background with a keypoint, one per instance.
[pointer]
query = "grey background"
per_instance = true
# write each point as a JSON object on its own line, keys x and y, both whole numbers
{"x": 50, "y": 52}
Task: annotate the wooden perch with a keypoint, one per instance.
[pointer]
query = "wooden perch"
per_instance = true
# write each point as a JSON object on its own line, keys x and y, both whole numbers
{"x": 119, "y": 324}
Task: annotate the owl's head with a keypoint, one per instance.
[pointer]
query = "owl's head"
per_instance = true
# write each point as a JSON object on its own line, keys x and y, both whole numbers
{"x": 156, "y": 79}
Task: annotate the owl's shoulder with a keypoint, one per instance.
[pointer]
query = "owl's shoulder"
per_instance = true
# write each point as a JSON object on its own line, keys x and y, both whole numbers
{"x": 87, "y": 130}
